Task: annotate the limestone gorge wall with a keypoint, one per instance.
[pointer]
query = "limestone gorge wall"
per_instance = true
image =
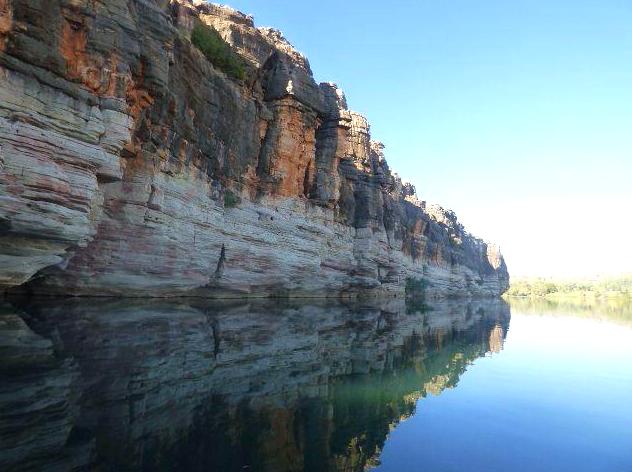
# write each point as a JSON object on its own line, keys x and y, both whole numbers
{"x": 130, "y": 165}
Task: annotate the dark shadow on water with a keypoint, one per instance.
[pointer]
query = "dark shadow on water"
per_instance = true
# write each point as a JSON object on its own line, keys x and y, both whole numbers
{"x": 189, "y": 385}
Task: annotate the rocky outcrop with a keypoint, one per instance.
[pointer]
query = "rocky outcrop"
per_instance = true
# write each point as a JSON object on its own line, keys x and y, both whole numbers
{"x": 129, "y": 164}
{"x": 187, "y": 385}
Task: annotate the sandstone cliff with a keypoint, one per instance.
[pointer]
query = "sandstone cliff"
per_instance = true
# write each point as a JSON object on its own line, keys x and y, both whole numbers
{"x": 129, "y": 164}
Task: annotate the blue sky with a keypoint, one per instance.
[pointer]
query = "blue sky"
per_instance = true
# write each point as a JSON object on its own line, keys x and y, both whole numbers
{"x": 517, "y": 115}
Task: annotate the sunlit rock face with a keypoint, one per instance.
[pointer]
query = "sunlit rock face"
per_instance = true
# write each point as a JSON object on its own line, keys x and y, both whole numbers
{"x": 130, "y": 165}
{"x": 128, "y": 385}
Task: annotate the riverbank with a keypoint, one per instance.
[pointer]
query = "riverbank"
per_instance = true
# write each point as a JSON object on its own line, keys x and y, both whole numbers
{"x": 598, "y": 287}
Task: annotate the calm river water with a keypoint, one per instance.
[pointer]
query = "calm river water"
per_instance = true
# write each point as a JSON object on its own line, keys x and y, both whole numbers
{"x": 261, "y": 386}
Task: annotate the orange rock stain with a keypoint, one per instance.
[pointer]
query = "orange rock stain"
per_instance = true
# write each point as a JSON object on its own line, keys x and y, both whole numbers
{"x": 6, "y": 22}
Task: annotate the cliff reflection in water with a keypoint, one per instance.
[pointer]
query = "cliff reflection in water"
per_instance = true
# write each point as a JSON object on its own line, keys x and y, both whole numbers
{"x": 192, "y": 386}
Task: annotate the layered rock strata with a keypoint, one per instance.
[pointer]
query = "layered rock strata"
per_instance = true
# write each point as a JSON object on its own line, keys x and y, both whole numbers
{"x": 129, "y": 164}
{"x": 166, "y": 385}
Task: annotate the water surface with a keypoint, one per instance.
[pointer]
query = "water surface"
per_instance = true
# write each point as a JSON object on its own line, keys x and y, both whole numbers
{"x": 558, "y": 398}
{"x": 192, "y": 385}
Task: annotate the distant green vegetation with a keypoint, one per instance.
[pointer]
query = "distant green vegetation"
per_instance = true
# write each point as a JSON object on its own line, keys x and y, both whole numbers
{"x": 613, "y": 287}
{"x": 218, "y": 51}
{"x": 415, "y": 286}
{"x": 231, "y": 200}
{"x": 416, "y": 295}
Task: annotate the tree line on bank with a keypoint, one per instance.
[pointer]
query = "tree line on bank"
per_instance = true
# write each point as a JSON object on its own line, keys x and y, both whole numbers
{"x": 620, "y": 286}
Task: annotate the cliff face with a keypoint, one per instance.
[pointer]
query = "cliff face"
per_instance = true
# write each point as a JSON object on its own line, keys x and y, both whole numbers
{"x": 130, "y": 165}
{"x": 166, "y": 385}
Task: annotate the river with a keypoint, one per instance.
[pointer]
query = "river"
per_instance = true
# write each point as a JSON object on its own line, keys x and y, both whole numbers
{"x": 314, "y": 385}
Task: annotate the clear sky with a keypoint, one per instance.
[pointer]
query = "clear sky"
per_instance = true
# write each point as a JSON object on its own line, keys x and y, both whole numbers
{"x": 515, "y": 114}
